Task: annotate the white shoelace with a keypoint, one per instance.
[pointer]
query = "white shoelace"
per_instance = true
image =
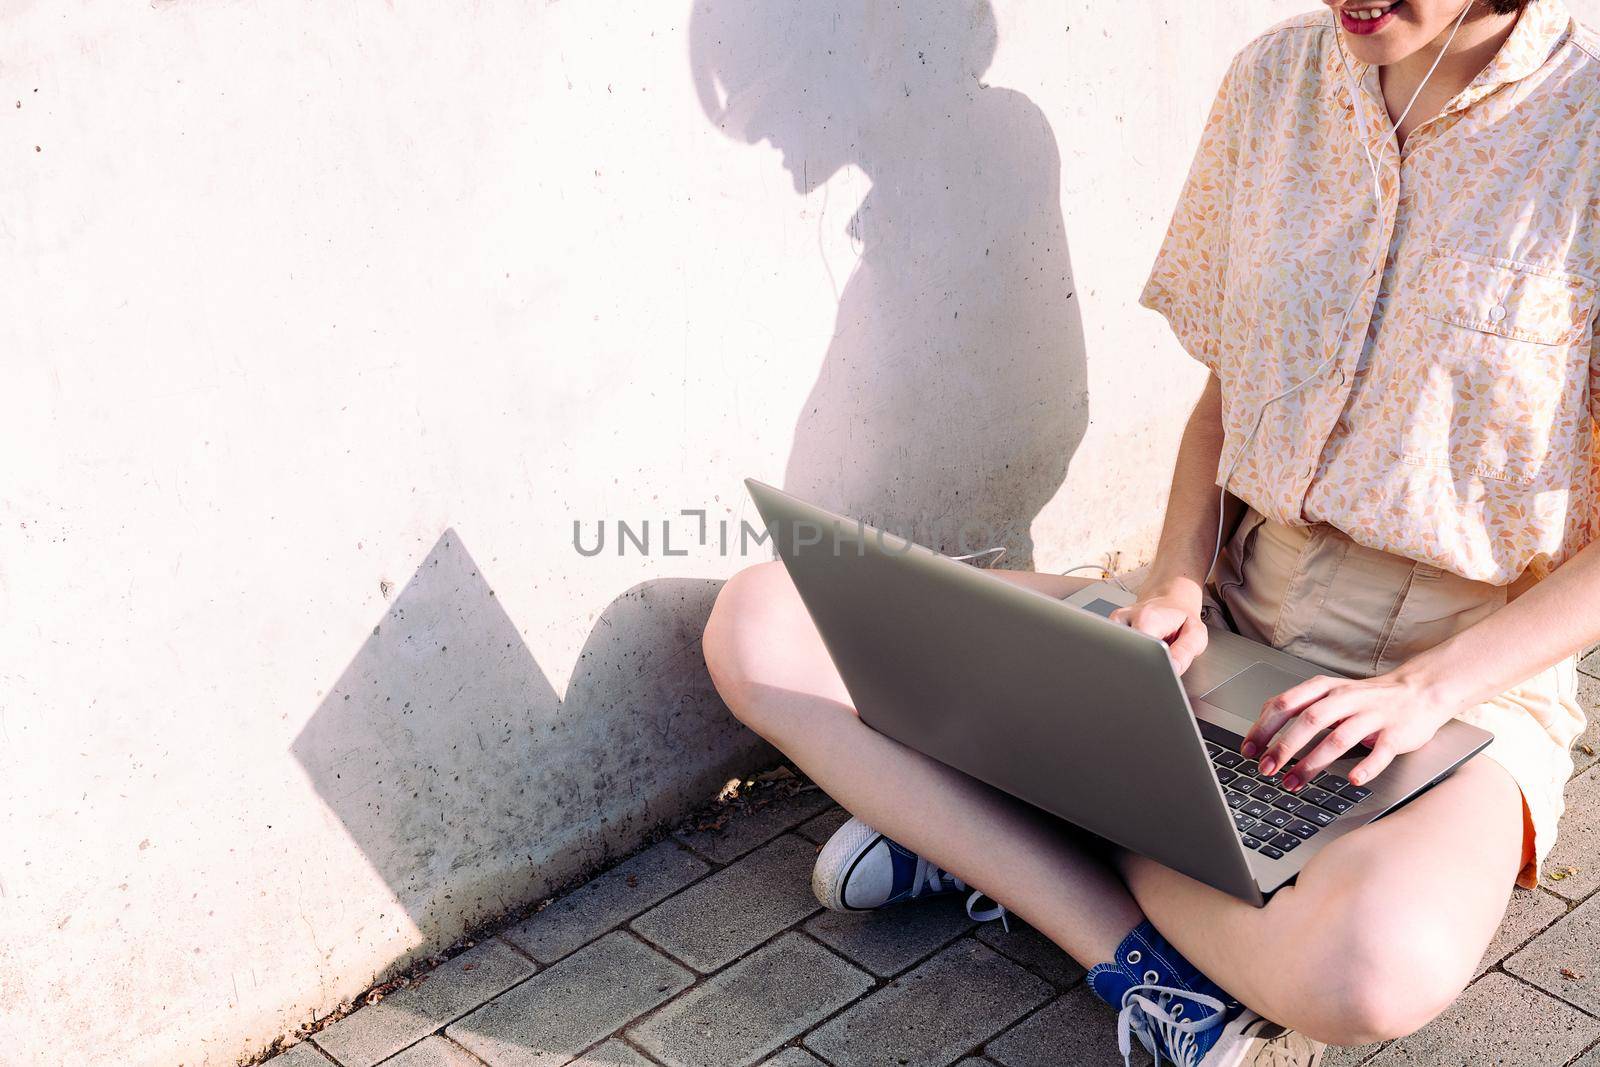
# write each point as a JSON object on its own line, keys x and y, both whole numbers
{"x": 1160, "y": 1024}
{"x": 937, "y": 880}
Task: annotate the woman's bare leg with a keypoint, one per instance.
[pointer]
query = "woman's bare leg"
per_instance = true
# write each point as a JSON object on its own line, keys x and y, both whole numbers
{"x": 1380, "y": 933}
{"x": 771, "y": 668}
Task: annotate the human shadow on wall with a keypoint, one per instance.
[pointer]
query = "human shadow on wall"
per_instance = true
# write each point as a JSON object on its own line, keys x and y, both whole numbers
{"x": 954, "y": 391}
{"x": 470, "y": 785}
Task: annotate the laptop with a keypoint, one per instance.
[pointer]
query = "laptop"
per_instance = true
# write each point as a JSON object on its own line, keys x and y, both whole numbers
{"x": 1052, "y": 702}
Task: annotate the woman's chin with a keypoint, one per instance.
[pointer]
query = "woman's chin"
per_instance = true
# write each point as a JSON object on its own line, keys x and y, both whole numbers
{"x": 1397, "y": 38}
{"x": 1378, "y": 50}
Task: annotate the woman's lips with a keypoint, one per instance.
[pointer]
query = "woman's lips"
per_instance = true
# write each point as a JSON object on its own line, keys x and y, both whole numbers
{"x": 1363, "y": 27}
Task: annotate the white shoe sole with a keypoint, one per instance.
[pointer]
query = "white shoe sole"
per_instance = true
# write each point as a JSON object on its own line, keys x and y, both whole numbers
{"x": 1288, "y": 1049}
{"x": 835, "y": 860}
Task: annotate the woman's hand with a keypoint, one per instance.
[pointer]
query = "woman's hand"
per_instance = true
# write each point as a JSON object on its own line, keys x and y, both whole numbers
{"x": 1391, "y": 713}
{"x": 1170, "y": 611}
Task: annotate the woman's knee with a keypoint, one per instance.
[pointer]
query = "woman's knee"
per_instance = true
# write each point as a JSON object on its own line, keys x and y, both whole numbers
{"x": 1379, "y": 968}
{"x": 1382, "y": 1000}
{"x": 1344, "y": 963}
{"x": 748, "y": 616}
{"x": 731, "y": 613}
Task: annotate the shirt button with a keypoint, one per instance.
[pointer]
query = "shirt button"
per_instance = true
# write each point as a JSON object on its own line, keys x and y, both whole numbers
{"x": 1497, "y": 313}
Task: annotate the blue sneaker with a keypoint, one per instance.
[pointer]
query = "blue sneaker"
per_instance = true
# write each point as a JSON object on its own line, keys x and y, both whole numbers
{"x": 859, "y": 869}
{"x": 1182, "y": 1017}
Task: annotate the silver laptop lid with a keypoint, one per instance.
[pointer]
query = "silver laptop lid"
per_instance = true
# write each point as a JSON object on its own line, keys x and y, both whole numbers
{"x": 1013, "y": 687}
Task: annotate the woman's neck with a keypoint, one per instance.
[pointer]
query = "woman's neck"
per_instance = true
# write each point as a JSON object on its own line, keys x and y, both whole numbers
{"x": 1475, "y": 44}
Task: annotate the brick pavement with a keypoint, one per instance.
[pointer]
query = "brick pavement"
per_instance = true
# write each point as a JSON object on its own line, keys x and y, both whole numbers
{"x": 707, "y": 949}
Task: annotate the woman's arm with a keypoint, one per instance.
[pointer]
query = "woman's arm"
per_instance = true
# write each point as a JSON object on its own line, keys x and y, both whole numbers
{"x": 1400, "y": 710}
{"x": 1169, "y": 600}
{"x": 1553, "y": 619}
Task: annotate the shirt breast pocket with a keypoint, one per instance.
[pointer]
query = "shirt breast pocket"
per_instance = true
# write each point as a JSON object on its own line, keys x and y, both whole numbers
{"x": 1492, "y": 379}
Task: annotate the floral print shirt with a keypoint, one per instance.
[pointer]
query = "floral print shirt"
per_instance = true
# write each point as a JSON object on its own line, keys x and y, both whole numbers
{"x": 1452, "y": 420}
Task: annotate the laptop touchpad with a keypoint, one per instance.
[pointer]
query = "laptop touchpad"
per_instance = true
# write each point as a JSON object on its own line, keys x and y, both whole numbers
{"x": 1245, "y": 692}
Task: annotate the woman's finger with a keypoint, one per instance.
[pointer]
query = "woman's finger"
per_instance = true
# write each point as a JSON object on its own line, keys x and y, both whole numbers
{"x": 1283, "y": 707}
{"x": 1188, "y": 644}
{"x": 1140, "y": 617}
{"x": 1321, "y": 715}
{"x": 1340, "y": 740}
{"x": 1162, "y": 623}
{"x": 1377, "y": 761}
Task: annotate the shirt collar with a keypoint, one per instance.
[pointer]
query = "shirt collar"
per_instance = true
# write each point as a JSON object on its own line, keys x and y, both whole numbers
{"x": 1541, "y": 26}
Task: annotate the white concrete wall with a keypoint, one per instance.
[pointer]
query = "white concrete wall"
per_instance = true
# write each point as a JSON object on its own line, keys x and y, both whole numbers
{"x": 322, "y": 323}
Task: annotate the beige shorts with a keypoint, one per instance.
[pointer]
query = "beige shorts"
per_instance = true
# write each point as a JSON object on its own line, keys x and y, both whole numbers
{"x": 1356, "y": 611}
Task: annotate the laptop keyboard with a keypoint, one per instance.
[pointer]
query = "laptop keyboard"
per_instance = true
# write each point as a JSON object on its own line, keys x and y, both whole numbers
{"x": 1269, "y": 820}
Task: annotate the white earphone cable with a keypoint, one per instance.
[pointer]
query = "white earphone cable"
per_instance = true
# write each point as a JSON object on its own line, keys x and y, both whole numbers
{"x": 1377, "y": 196}
{"x": 1377, "y": 193}
{"x": 1460, "y": 18}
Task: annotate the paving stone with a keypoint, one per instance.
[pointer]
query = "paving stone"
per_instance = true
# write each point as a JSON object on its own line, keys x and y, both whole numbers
{"x": 793, "y": 1057}
{"x": 570, "y": 1005}
{"x": 889, "y": 940}
{"x": 752, "y": 1007}
{"x": 1351, "y": 1055}
{"x": 433, "y": 1052}
{"x": 930, "y": 1016}
{"x": 1034, "y": 951}
{"x": 822, "y": 827}
{"x": 1565, "y": 959}
{"x": 1498, "y": 1020}
{"x": 609, "y": 900}
{"x": 1589, "y": 663}
{"x": 302, "y": 1055}
{"x": 612, "y": 1053}
{"x": 1588, "y": 1059}
{"x": 1586, "y": 750}
{"x": 720, "y": 918}
{"x": 1579, "y": 843}
{"x": 746, "y": 830}
{"x": 1530, "y": 911}
{"x": 1077, "y": 1028}
{"x": 449, "y": 991}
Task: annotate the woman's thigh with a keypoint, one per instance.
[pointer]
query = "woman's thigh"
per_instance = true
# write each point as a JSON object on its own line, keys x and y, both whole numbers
{"x": 1382, "y": 929}
{"x": 761, "y": 638}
